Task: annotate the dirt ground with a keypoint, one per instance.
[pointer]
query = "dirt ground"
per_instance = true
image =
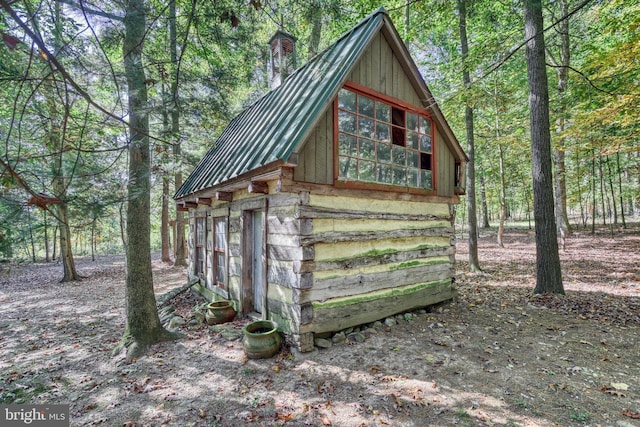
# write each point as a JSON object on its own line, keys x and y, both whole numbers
{"x": 496, "y": 356}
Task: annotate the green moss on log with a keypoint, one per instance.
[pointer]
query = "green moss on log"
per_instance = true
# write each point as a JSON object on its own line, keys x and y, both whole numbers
{"x": 416, "y": 263}
{"x": 384, "y": 293}
{"x": 379, "y": 252}
{"x": 371, "y": 253}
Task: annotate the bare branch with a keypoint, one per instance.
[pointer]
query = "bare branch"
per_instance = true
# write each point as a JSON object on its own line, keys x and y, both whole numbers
{"x": 59, "y": 67}
{"x": 581, "y": 74}
{"x": 81, "y": 5}
{"x": 524, "y": 43}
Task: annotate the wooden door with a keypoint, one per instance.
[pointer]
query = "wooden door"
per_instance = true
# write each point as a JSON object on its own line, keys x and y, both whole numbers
{"x": 257, "y": 263}
{"x": 253, "y": 261}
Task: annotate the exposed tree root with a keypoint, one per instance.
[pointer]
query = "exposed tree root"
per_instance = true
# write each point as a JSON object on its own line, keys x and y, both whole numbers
{"x": 137, "y": 347}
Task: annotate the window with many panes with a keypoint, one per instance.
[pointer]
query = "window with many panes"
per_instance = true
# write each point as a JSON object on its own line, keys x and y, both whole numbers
{"x": 201, "y": 239}
{"x": 380, "y": 142}
{"x": 220, "y": 251}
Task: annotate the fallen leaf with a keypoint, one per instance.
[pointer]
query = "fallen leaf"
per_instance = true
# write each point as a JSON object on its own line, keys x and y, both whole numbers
{"x": 202, "y": 413}
{"x": 325, "y": 387}
{"x": 629, "y": 413}
{"x": 284, "y": 417}
{"x": 612, "y": 391}
{"x": 620, "y": 386}
{"x": 397, "y": 400}
{"x": 325, "y": 421}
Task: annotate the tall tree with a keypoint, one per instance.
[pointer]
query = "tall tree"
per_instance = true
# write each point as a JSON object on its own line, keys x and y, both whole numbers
{"x": 180, "y": 241}
{"x": 48, "y": 102}
{"x": 56, "y": 142}
{"x": 474, "y": 263}
{"x": 548, "y": 270}
{"x": 143, "y": 326}
{"x": 562, "y": 64}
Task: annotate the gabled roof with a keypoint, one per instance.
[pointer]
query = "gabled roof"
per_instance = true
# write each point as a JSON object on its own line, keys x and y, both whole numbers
{"x": 275, "y": 126}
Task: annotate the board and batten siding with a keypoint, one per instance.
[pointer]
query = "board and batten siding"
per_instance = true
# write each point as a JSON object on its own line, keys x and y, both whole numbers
{"x": 446, "y": 169}
{"x": 315, "y": 161}
{"x": 379, "y": 70}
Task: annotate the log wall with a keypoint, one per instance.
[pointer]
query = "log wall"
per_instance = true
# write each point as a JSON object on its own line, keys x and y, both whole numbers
{"x": 336, "y": 261}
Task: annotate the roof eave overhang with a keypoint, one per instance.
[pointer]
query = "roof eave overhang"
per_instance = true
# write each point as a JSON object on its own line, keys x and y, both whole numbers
{"x": 269, "y": 172}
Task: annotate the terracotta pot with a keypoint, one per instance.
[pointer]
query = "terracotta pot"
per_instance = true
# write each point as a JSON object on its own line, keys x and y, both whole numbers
{"x": 261, "y": 339}
{"x": 220, "y": 312}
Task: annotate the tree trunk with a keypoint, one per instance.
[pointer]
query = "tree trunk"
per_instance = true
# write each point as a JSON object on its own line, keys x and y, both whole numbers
{"x": 583, "y": 217}
{"x": 93, "y": 239}
{"x": 164, "y": 217}
{"x": 503, "y": 197}
{"x": 143, "y": 326}
{"x": 164, "y": 227}
{"x": 603, "y": 196}
{"x": 123, "y": 228}
{"x": 503, "y": 189}
{"x": 31, "y": 240}
{"x": 612, "y": 191}
{"x": 548, "y": 271}
{"x": 483, "y": 202}
{"x": 54, "y": 246}
{"x": 315, "y": 16}
{"x": 562, "y": 218}
{"x": 66, "y": 254}
{"x": 593, "y": 191}
{"x": 619, "y": 173}
{"x": 474, "y": 263}
{"x": 59, "y": 182}
{"x": 180, "y": 241}
{"x": 45, "y": 224}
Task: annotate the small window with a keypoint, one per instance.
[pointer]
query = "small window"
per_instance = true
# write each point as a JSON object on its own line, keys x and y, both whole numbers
{"x": 383, "y": 143}
{"x": 220, "y": 251}
{"x": 201, "y": 238}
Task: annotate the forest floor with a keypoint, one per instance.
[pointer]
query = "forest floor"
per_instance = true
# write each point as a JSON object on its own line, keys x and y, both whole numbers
{"x": 497, "y": 356}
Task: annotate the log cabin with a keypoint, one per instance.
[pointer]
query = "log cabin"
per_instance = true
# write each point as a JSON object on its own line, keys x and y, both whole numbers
{"x": 329, "y": 203}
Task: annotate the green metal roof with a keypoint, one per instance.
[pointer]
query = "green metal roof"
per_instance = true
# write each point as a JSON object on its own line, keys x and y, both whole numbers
{"x": 270, "y": 130}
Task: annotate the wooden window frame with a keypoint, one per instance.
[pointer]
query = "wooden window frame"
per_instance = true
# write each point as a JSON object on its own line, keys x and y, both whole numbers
{"x": 200, "y": 246}
{"x": 397, "y": 105}
{"x": 219, "y": 252}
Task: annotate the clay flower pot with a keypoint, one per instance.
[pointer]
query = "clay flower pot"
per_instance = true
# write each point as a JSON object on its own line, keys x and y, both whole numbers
{"x": 220, "y": 312}
{"x": 261, "y": 339}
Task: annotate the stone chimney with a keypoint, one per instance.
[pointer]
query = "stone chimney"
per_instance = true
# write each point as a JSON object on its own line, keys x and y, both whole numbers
{"x": 282, "y": 48}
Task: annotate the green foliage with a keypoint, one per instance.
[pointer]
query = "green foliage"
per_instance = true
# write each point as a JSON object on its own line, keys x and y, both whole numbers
{"x": 579, "y": 415}
{"x": 52, "y": 132}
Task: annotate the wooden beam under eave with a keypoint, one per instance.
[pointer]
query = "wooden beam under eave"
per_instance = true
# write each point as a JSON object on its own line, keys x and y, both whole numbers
{"x": 203, "y": 201}
{"x": 181, "y": 207}
{"x": 224, "y": 196}
{"x": 190, "y": 205}
{"x": 258, "y": 187}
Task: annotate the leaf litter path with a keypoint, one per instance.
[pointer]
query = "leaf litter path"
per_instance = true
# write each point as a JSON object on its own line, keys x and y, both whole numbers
{"x": 496, "y": 356}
